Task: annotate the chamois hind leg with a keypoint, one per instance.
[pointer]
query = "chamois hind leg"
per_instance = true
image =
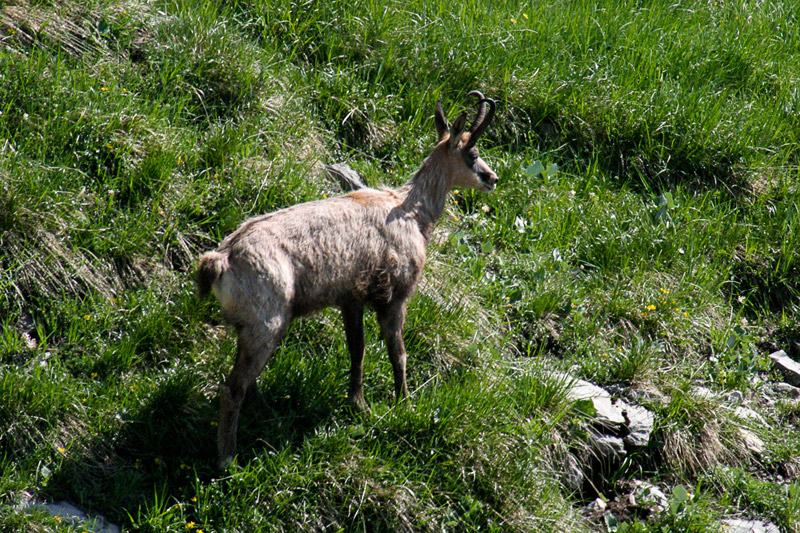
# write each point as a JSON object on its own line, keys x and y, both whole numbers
{"x": 353, "y": 317}
{"x": 391, "y": 320}
{"x": 256, "y": 346}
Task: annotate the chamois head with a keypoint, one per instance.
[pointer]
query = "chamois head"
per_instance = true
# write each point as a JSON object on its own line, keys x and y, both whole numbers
{"x": 469, "y": 170}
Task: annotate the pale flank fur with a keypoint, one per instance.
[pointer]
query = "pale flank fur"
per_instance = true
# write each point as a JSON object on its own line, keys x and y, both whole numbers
{"x": 363, "y": 249}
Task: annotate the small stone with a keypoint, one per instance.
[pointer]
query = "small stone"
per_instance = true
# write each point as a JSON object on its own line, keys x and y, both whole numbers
{"x": 704, "y": 393}
{"x": 745, "y": 413}
{"x": 749, "y": 526}
{"x": 734, "y": 397}
{"x": 650, "y": 496}
{"x": 597, "y": 506}
{"x": 786, "y": 389}
{"x": 788, "y": 366}
{"x": 752, "y": 441}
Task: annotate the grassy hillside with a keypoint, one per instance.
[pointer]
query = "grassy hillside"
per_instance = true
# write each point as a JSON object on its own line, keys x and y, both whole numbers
{"x": 644, "y": 236}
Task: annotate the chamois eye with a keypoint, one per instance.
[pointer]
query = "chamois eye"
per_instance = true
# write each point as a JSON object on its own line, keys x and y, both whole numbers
{"x": 471, "y": 156}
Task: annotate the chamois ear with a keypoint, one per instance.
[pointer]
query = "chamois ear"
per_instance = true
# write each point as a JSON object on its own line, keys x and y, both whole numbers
{"x": 442, "y": 127}
{"x": 457, "y": 130}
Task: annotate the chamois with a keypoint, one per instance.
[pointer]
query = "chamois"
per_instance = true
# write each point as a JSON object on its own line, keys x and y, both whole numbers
{"x": 362, "y": 249}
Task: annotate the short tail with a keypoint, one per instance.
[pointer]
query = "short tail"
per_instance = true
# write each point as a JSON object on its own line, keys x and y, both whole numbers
{"x": 211, "y": 267}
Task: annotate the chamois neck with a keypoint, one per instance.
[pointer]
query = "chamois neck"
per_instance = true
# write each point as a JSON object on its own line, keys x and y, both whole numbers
{"x": 426, "y": 193}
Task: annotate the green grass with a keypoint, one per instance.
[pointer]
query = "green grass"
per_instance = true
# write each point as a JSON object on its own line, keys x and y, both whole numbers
{"x": 644, "y": 235}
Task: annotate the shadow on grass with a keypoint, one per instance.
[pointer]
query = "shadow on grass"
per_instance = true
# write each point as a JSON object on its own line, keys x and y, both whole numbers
{"x": 157, "y": 453}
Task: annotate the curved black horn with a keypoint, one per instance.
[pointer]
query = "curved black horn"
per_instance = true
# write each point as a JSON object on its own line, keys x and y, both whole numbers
{"x": 482, "y": 120}
{"x": 481, "y": 114}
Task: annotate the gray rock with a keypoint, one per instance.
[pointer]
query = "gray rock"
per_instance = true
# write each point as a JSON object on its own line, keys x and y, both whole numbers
{"x": 348, "y": 179}
{"x": 704, "y": 393}
{"x": 597, "y": 506}
{"x": 608, "y": 448}
{"x": 573, "y": 475}
{"x": 752, "y": 441}
{"x": 641, "y": 396}
{"x": 734, "y": 397}
{"x": 787, "y": 390}
{"x": 788, "y": 366}
{"x": 606, "y": 413}
{"x": 72, "y": 515}
{"x": 749, "y": 526}
{"x": 640, "y": 425}
{"x": 745, "y": 413}
{"x": 614, "y": 415}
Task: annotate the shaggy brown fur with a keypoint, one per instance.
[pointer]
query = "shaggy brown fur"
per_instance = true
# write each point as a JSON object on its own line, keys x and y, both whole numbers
{"x": 363, "y": 249}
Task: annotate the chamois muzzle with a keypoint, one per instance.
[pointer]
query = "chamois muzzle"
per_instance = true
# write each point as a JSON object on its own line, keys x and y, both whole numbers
{"x": 488, "y": 180}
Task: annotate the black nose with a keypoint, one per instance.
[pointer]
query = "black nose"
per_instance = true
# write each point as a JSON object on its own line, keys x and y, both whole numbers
{"x": 489, "y": 178}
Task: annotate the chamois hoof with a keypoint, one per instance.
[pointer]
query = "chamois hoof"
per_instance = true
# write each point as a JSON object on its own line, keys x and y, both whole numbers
{"x": 223, "y": 463}
{"x": 359, "y": 405}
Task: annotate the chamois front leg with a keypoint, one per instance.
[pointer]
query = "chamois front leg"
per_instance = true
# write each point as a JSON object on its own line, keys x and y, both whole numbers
{"x": 392, "y": 319}
{"x": 353, "y": 317}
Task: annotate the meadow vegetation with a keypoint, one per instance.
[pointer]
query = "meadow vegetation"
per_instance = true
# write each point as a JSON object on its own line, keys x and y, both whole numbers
{"x": 644, "y": 235}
